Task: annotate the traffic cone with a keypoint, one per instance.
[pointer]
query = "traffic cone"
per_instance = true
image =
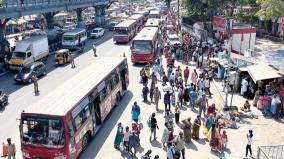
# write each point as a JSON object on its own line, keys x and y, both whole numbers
{"x": 4, "y": 150}
{"x": 124, "y": 54}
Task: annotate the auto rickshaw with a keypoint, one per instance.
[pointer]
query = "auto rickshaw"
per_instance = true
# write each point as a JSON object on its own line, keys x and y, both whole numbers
{"x": 62, "y": 56}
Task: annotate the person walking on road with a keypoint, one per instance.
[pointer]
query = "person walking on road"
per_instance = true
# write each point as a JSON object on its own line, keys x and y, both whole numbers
{"x": 167, "y": 100}
{"x": 248, "y": 147}
{"x": 157, "y": 97}
{"x": 180, "y": 144}
{"x": 35, "y": 82}
{"x": 135, "y": 112}
{"x": 119, "y": 136}
{"x": 11, "y": 149}
{"x": 165, "y": 135}
{"x": 203, "y": 104}
{"x": 133, "y": 143}
{"x": 95, "y": 50}
{"x": 72, "y": 61}
{"x": 154, "y": 127}
{"x": 145, "y": 92}
{"x": 186, "y": 126}
{"x": 171, "y": 152}
{"x": 186, "y": 74}
{"x": 196, "y": 127}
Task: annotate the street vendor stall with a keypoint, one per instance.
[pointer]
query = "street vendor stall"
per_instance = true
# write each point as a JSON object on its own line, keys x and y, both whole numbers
{"x": 262, "y": 71}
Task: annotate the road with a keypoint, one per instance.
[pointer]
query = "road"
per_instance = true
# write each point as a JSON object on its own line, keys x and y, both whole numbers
{"x": 21, "y": 96}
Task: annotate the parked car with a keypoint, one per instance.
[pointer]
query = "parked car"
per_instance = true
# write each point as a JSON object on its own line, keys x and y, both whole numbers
{"x": 26, "y": 73}
{"x": 97, "y": 32}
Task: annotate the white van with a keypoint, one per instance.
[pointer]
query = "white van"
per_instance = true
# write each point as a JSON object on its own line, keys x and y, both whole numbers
{"x": 74, "y": 38}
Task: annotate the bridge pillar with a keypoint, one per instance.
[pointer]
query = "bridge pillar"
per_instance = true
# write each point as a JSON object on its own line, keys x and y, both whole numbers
{"x": 4, "y": 44}
{"x": 80, "y": 21}
{"x": 100, "y": 15}
{"x": 49, "y": 19}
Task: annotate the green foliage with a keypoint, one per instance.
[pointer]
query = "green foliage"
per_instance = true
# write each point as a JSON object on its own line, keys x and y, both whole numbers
{"x": 270, "y": 9}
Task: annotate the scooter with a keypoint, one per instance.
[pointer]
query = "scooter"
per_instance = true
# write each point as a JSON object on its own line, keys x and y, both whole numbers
{"x": 3, "y": 99}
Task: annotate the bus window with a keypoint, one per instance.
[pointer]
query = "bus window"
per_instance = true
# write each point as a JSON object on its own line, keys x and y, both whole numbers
{"x": 103, "y": 94}
{"x": 70, "y": 129}
{"x": 108, "y": 87}
{"x": 78, "y": 121}
{"x": 115, "y": 79}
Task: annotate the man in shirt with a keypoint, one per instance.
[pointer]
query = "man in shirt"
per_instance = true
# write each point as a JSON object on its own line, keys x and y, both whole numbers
{"x": 154, "y": 126}
{"x": 193, "y": 95}
{"x": 203, "y": 104}
{"x": 186, "y": 74}
{"x": 11, "y": 149}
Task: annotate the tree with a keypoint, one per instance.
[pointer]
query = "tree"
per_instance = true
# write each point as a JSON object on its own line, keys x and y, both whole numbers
{"x": 270, "y": 9}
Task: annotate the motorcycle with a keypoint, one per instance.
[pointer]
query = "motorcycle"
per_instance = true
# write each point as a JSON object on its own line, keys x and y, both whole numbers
{"x": 3, "y": 99}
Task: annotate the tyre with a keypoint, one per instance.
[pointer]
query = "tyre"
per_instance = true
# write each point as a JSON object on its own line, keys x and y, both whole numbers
{"x": 85, "y": 141}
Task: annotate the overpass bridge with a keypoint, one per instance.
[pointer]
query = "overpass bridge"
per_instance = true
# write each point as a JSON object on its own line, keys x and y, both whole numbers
{"x": 48, "y": 8}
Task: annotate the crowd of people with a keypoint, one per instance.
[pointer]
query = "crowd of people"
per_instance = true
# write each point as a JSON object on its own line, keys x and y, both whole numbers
{"x": 178, "y": 88}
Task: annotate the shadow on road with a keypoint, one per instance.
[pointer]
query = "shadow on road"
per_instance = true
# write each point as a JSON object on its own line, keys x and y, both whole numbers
{"x": 7, "y": 81}
{"x": 110, "y": 123}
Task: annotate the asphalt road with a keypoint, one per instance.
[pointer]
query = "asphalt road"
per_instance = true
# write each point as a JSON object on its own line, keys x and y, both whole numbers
{"x": 21, "y": 96}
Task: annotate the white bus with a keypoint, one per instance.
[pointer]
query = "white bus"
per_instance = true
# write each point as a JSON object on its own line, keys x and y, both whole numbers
{"x": 74, "y": 38}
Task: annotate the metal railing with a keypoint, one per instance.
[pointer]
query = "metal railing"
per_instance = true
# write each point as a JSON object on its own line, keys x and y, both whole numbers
{"x": 270, "y": 152}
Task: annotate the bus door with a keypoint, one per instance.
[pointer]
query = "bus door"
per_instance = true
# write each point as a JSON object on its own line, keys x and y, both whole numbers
{"x": 96, "y": 112}
{"x": 122, "y": 77}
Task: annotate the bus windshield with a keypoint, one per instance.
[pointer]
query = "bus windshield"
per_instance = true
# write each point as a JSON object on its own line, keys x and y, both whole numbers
{"x": 142, "y": 46}
{"x": 19, "y": 55}
{"x": 69, "y": 38}
{"x": 120, "y": 31}
{"x": 43, "y": 131}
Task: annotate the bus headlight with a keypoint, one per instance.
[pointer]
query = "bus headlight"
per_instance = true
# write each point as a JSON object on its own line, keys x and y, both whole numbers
{"x": 60, "y": 157}
{"x": 26, "y": 155}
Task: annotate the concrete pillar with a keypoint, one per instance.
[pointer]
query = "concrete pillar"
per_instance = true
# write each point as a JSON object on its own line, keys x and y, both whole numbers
{"x": 49, "y": 19}
{"x": 80, "y": 21}
{"x": 4, "y": 44}
{"x": 100, "y": 15}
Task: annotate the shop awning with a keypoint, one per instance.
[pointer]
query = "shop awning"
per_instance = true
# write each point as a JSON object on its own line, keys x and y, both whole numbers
{"x": 262, "y": 71}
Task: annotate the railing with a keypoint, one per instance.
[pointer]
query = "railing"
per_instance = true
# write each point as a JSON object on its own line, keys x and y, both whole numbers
{"x": 270, "y": 152}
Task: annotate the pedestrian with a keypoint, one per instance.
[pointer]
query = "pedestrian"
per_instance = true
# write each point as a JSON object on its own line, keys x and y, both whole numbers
{"x": 171, "y": 136}
{"x": 167, "y": 100}
{"x": 164, "y": 79}
{"x": 72, "y": 61}
{"x": 248, "y": 147}
{"x": 180, "y": 145}
{"x": 11, "y": 149}
{"x": 194, "y": 77}
{"x": 207, "y": 86}
{"x": 35, "y": 82}
{"x": 193, "y": 95}
{"x": 133, "y": 143}
{"x": 119, "y": 136}
{"x": 147, "y": 155}
{"x": 144, "y": 79}
{"x": 135, "y": 112}
{"x": 126, "y": 135}
{"x": 186, "y": 74}
{"x": 186, "y": 126}
{"x": 177, "y": 114}
{"x": 196, "y": 127}
{"x": 202, "y": 102}
{"x": 173, "y": 100}
{"x": 156, "y": 157}
{"x": 214, "y": 138}
{"x": 157, "y": 97}
{"x": 154, "y": 127}
{"x": 136, "y": 130}
{"x": 95, "y": 50}
{"x": 145, "y": 92}
{"x": 165, "y": 134}
{"x": 180, "y": 96}
{"x": 161, "y": 72}
{"x": 224, "y": 138}
{"x": 170, "y": 152}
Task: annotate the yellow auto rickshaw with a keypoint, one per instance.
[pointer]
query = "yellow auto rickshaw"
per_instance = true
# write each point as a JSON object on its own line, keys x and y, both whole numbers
{"x": 62, "y": 56}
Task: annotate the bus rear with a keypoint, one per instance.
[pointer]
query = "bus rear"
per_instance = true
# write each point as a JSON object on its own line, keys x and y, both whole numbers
{"x": 121, "y": 35}
{"x": 43, "y": 136}
{"x": 144, "y": 45}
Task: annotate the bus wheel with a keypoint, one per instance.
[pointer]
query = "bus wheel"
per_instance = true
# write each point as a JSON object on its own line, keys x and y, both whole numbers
{"x": 85, "y": 141}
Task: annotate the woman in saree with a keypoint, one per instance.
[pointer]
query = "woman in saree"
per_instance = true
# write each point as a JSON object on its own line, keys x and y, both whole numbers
{"x": 214, "y": 138}
{"x": 186, "y": 126}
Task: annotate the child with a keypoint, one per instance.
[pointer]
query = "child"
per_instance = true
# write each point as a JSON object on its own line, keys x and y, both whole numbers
{"x": 177, "y": 114}
{"x": 224, "y": 139}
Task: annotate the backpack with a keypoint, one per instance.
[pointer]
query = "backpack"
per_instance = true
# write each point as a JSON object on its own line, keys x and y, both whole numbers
{"x": 149, "y": 123}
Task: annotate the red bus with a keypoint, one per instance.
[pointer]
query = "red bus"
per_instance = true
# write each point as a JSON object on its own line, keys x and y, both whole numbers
{"x": 60, "y": 125}
{"x": 139, "y": 21}
{"x": 124, "y": 31}
{"x": 144, "y": 45}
